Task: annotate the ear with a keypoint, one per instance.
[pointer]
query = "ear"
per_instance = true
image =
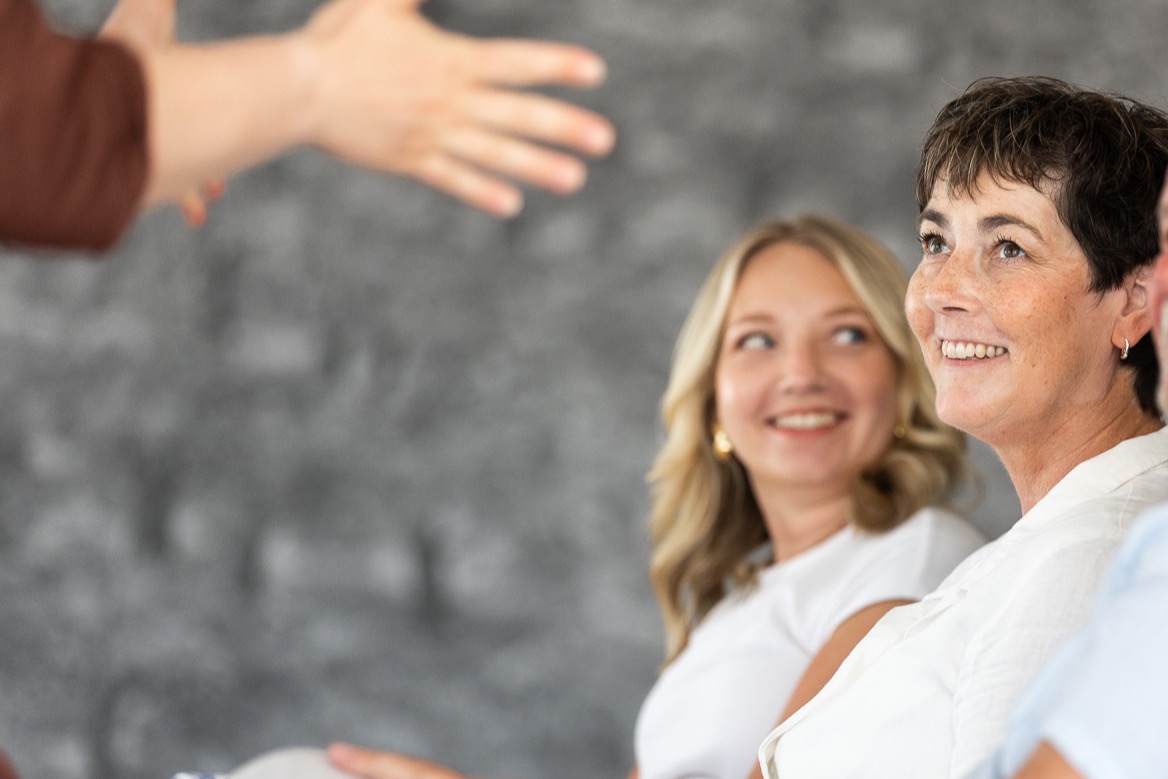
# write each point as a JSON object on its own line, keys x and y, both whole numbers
{"x": 1134, "y": 321}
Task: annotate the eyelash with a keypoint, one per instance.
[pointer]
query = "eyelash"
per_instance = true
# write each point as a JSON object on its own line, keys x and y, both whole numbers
{"x": 927, "y": 238}
{"x": 999, "y": 242}
{"x": 742, "y": 342}
{"x": 857, "y": 335}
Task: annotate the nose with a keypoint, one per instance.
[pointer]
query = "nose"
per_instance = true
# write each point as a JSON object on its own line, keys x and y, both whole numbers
{"x": 800, "y": 367}
{"x": 948, "y": 285}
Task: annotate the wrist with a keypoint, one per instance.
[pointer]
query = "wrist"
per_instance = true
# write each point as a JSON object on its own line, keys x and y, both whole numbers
{"x": 304, "y": 68}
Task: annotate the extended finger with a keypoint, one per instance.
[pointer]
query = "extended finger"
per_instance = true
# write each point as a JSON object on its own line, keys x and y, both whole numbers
{"x": 543, "y": 119}
{"x": 471, "y": 185}
{"x": 213, "y": 189}
{"x": 528, "y": 63}
{"x": 194, "y": 207}
{"x": 517, "y": 158}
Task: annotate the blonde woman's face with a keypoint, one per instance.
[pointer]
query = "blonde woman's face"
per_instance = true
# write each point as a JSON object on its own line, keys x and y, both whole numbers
{"x": 804, "y": 386}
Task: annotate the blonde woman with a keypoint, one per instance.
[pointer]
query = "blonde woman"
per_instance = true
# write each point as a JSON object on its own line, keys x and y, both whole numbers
{"x": 794, "y": 500}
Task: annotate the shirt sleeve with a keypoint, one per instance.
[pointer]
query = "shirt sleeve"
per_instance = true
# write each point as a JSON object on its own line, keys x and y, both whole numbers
{"x": 1013, "y": 646}
{"x": 73, "y": 135}
{"x": 1107, "y": 713}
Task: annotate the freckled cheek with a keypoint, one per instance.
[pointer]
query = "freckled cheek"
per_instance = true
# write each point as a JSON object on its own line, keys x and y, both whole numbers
{"x": 1043, "y": 333}
{"x": 920, "y": 318}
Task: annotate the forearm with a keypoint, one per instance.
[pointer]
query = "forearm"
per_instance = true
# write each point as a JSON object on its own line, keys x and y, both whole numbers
{"x": 217, "y": 109}
{"x": 1047, "y": 763}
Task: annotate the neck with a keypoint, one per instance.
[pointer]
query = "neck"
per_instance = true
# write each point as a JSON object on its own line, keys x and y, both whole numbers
{"x": 1036, "y": 466}
{"x": 799, "y": 518}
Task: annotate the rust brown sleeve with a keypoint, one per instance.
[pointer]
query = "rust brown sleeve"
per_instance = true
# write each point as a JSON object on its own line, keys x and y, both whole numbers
{"x": 6, "y": 769}
{"x": 73, "y": 135}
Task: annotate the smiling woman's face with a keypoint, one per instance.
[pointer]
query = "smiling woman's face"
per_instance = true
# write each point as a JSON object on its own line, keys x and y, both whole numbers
{"x": 804, "y": 386}
{"x": 1016, "y": 342}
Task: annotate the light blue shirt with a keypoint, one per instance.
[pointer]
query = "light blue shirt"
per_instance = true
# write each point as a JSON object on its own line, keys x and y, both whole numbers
{"x": 1102, "y": 702}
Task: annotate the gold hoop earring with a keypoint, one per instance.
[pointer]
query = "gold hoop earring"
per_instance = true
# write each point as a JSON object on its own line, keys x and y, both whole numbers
{"x": 723, "y": 446}
{"x": 1123, "y": 352}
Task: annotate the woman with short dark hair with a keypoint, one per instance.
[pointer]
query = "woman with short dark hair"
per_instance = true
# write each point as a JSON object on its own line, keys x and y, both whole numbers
{"x": 1037, "y": 221}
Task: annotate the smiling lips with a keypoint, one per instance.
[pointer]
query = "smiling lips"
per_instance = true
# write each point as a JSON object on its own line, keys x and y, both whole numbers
{"x": 806, "y": 420}
{"x": 968, "y": 350}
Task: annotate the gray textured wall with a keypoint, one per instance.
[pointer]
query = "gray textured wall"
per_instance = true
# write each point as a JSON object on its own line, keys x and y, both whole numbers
{"x": 355, "y": 462}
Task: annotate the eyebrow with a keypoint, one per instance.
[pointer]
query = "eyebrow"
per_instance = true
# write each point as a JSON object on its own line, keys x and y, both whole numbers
{"x": 755, "y": 317}
{"x": 985, "y": 224}
{"x": 936, "y": 217}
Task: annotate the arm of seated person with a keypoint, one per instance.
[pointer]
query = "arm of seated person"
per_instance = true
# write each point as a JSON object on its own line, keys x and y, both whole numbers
{"x": 1047, "y": 763}
{"x": 829, "y": 657}
{"x": 377, "y": 764}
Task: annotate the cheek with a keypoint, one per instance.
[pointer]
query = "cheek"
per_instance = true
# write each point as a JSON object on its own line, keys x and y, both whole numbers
{"x": 884, "y": 401}
{"x": 739, "y": 391}
{"x": 875, "y": 390}
{"x": 919, "y": 315}
{"x": 725, "y": 393}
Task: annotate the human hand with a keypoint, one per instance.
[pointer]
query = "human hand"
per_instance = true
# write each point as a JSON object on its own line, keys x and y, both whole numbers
{"x": 396, "y": 93}
{"x": 374, "y": 764}
{"x": 143, "y": 25}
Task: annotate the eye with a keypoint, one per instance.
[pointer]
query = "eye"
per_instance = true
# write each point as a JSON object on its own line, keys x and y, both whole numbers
{"x": 849, "y": 334}
{"x": 1008, "y": 250}
{"x": 931, "y": 243}
{"x": 754, "y": 341}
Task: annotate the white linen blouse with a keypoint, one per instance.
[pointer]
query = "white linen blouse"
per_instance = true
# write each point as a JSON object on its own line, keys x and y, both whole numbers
{"x": 929, "y": 690}
{"x": 712, "y": 705}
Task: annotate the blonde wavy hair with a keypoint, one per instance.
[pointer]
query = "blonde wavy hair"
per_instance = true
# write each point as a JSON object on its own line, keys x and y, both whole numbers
{"x": 704, "y": 521}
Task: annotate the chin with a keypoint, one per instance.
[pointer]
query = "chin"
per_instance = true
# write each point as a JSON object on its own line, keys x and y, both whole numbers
{"x": 960, "y": 415}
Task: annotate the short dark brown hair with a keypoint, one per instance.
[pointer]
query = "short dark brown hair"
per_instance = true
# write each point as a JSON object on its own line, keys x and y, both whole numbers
{"x": 1101, "y": 156}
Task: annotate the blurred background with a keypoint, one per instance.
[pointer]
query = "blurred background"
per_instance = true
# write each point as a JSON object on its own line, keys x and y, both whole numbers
{"x": 354, "y": 462}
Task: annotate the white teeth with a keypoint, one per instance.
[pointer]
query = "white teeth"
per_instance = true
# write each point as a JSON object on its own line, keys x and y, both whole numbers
{"x": 807, "y": 421}
{"x": 965, "y": 350}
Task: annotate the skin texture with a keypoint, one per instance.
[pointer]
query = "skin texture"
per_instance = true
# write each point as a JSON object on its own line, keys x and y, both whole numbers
{"x": 373, "y": 764}
{"x": 371, "y": 82}
{"x": 799, "y": 344}
{"x": 1000, "y": 268}
{"x": 1047, "y": 763}
{"x": 143, "y": 26}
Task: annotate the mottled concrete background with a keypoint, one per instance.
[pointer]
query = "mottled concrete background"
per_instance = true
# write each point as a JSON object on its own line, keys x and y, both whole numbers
{"x": 355, "y": 462}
